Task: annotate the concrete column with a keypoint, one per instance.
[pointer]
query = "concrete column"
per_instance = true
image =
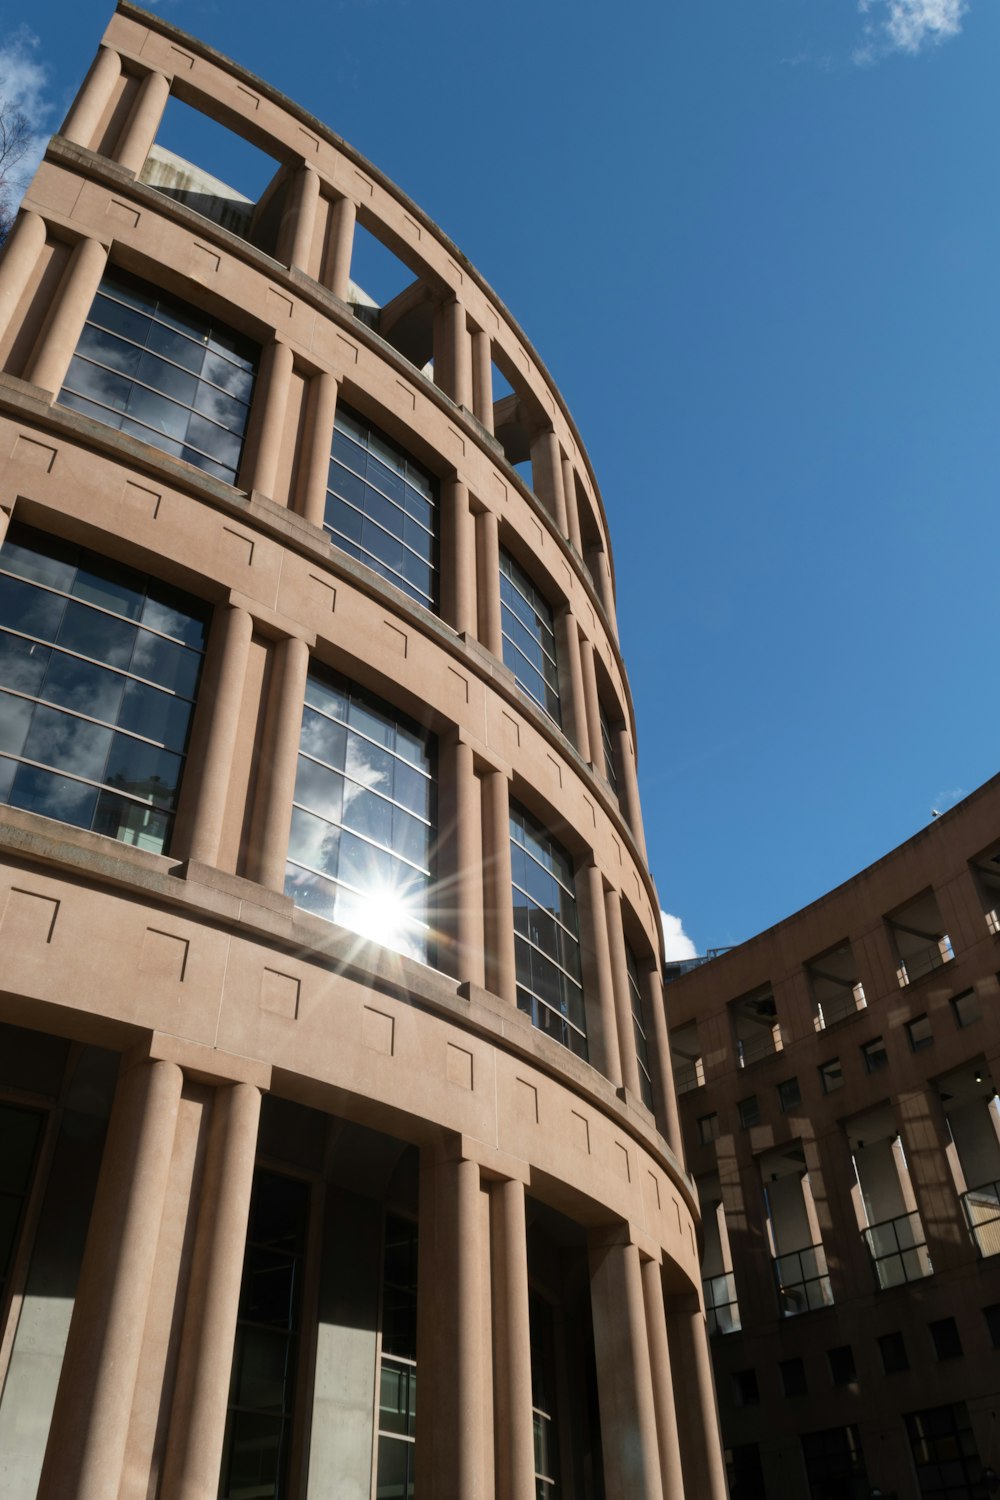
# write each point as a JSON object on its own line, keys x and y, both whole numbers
{"x": 80, "y": 125}
{"x": 90, "y": 1422}
{"x": 574, "y": 714}
{"x": 515, "y": 1443}
{"x": 453, "y": 353}
{"x": 300, "y": 216}
{"x": 697, "y": 1413}
{"x": 926, "y": 1141}
{"x": 259, "y": 470}
{"x": 460, "y": 885}
{"x": 622, "y": 993}
{"x": 211, "y": 758}
{"x": 671, "y": 1473}
{"x": 664, "y": 1092}
{"x": 143, "y": 123}
{"x": 593, "y": 705}
{"x": 482, "y": 377}
{"x": 600, "y": 990}
{"x": 458, "y": 557}
{"x": 21, "y": 254}
{"x": 279, "y": 754}
{"x": 501, "y": 969}
{"x": 546, "y": 476}
{"x": 61, "y": 332}
{"x": 628, "y": 784}
{"x": 198, "y": 1420}
{"x": 343, "y": 216}
{"x": 628, "y": 1416}
{"x": 488, "y": 581}
{"x": 451, "y": 1457}
{"x": 833, "y": 1187}
{"x": 315, "y": 472}
{"x": 572, "y": 508}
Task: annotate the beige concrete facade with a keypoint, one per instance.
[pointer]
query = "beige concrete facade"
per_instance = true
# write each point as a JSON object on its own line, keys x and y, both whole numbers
{"x": 231, "y": 1123}
{"x": 838, "y": 1081}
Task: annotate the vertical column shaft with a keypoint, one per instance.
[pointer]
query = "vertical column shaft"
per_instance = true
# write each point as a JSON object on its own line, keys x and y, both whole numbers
{"x": 198, "y": 1420}
{"x": 143, "y": 122}
{"x": 458, "y": 557}
{"x": 23, "y": 249}
{"x": 61, "y": 332}
{"x": 629, "y": 783}
{"x": 665, "y": 1094}
{"x": 593, "y": 702}
{"x": 89, "y": 1431}
{"x": 575, "y": 706}
{"x": 572, "y": 508}
{"x": 315, "y": 473}
{"x": 279, "y": 758}
{"x": 80, "y": 125}
{"x": 301, "y": 223}
{"x": 512, "y": 1347}
{"x": 488, "y": 581}
{"x": 259, "y": 470}
{"x": 697, "y": 1413}
{"x": 501, "y": 969}
{"x": 461, "y": 886}
{"x": 623, "y": 994}
{"x": 482, "y": 378}
{"x": 343, "y": 216}
{"x": 671, "y": 1473}
{"x": 628, "y": 1416}
{"x": 211, "y": 758}
{"x": 453, "y": 356}
{"x": 606, "y": 1056}
{"x": 546, "y": 476}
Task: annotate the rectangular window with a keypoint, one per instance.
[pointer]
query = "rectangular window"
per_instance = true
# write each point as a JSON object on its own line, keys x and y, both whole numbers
{"x": 745, "y": 1388}
{"x": 841, "y": 1362}
{"x": 708, "y": 1129}
{"x": 546, "y": 933}
{"x": 875, "y": 1056}
{"x": 992, "y": 1316}
{"x": 610, "y": 766}
{"x": 639, "y": 1029}
{"x": 382, "y": 508}
{"x": 789, "y": 1094}
{"x": 793, "y": 1377}
{"x": 363, "y": 822}
{"x": 262, "y": 1386}
{"x": 831, "y": 1075}
{"x": 893, "y": 1351}
{"x": 543, "y": 1398}
{"x": 919, "y": 1034}
{"x": 397, "y": 1404}
{"x": 944, "y": 1452}
{"x": 945, "y": 1338}
{"x": 164, "y": 372}
{"x": 835, "y": 1464}
{"x": 749, "y": 1111}
{"x": 966, "y": 1007}
{"x": 99, "y": 670}
{"x": 529, "y": 638}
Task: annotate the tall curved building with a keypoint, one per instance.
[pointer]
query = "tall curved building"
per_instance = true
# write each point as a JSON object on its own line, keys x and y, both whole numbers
{"x": 333, "y": 1062}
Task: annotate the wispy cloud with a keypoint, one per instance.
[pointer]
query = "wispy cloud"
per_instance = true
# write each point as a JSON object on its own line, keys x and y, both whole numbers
{"x": 676, "y": 942}
{"x": 24, "y": 80}
{"x": 906, "y": 26}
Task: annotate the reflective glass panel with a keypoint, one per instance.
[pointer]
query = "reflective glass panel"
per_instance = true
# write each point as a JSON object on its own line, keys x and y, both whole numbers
{"x": 529, "y": 641}
{"x": 546, "y": 933}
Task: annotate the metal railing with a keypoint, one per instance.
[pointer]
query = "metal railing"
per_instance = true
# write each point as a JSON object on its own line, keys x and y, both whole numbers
{"x": 847, "y": 1004}
{"x": 982, "y": 1210}
{"x": 753, "y": 1049}
{"x": 803, "y": 1281}
{"x": 689, "y": 1074}
{"x": 721, "y": 1308}
{"x": 898, "y": 1250}
{"x": 925, "y": 961}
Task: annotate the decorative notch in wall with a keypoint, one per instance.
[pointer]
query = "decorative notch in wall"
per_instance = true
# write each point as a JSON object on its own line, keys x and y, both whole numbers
{"x": 459, "y": 1067}
{"x": 378, "y": 1031}
{"x": 279, "y": 993}
{"x": 35, "y": 455}
{"x": 137, "y": 497}
{"x": 164, "y": 955}
{"x": 29, "y": 916}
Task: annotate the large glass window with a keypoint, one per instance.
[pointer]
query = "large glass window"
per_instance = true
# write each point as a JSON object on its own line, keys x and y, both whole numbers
{"x": 543, "y": 1398}
{"x": 639, "y": 1028}
{"x": 382, "y": 508}
{"x": 99, "y": 669}
{"x": 397, "y": 1404}
{"x": 258, "y": 1426}
{"x": 364, "y": 816}
{"x": 546, "y": 933}
{"x": 607, "y": 740}
{"x": 944, "y": 1452}
{"x": 164, "y": 372}
{"x": 529, "y": 640}
{"x": 835, "y": 1464}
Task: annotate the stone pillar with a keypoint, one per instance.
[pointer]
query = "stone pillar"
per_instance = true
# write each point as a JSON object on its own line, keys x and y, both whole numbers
{"x": 926, "y": 1141}
{"x": 80, "y": 125}
{"x": 211, "y": 756}
{"x": 343, "y": 216}
{"x": 546, "y": 476}
{"x": 572, "y": 508}
{"x": 833, "y": 1185}
{"x": 671, "y": 1473}
{"x": 664, "y": 1092}
{"x": 21, "y": 254}
{"x": 697, "y": 1413}
{"x": 482, "y": 378}
{"x": 574, "y": 703}
{"x": 300, "y": 216}
{"x": 628, "y": 1416}
{"x": 623, "y": 995}
{"x": 628, "y": 784}
{"x": 318, "y": 445}
{"x": 259, "y": 470}
{"x": 90, "y": 1422}
{"x": 501, "y": 969}
{"x": 488, "y": 581}
{"x": 193, "y": 1451}
{"x": 143, "y": 122}
{"x": 61, "y": 332}
{"x": 450, "y": 1453}
{"x": 593, "y": 703}
{"x": 460, "y": 883}
{"x": 515, "y": 1443}
{"x": 599, "y": 982}
{"x": 453, "y": 353}
{"x": 458, "y": 557}
{"x": 279, "y": 752}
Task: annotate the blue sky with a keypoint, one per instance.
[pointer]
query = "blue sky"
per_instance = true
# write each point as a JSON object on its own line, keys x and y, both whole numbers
{"x": 757, "y": 246}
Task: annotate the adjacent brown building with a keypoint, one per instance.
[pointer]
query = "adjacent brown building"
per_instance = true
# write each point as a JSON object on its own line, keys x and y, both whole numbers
{"x": 333, "y": 1060}
{"x": 838, "y": 1078}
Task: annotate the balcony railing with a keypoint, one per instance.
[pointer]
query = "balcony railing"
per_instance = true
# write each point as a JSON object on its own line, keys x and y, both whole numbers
{"x": 689, "y": 1074}
{"x": 721, "y": 1307}
{"x": 898, "y": 1250}
{"x": 803, "y": 1281}
{"x": 925, "y": 961}
{"x": 841, "y": 1006}
{"x": 982, "y": 1209}
{"x": 755, "y": 1048}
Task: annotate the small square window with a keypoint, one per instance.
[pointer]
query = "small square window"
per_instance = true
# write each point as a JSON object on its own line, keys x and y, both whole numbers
{"x": 966, "y": 1007}
{"x": 745, "y": 1392}
{"x": 749, "y": 1112}
{"x": 893, "y": 1352}
{"x": 875, "y": 1056}
{"x": 841, "y": 1362}
{"x": 708, "y": 1129}
{"x": 793, "y": 1377}
{"x": 992, "y": 1316}
{"x": 831, "y": 1075}
{"x": 947, "y": 1344}
{"x": 789, "y": 1094}
{"x": 919, "y": 1033}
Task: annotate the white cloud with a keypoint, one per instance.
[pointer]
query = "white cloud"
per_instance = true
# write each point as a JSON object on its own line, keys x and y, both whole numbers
{"x": 23, "y": 82}
{"x": 907, "y": 25}
{"x": 676, "y": 942}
